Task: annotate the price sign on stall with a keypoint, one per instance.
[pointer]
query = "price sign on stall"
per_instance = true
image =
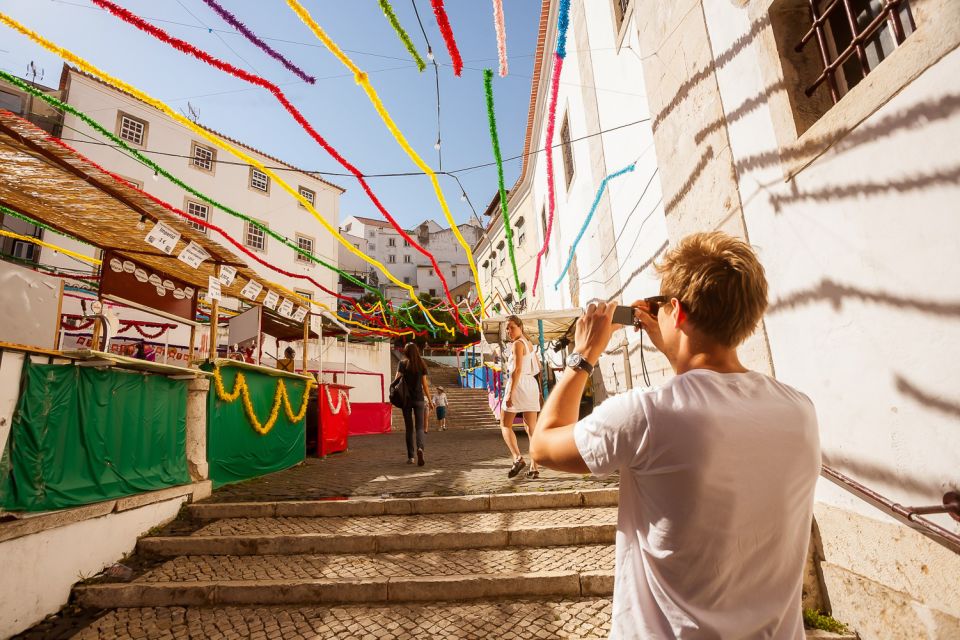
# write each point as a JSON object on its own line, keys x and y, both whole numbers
{"x": 300, "y": 314}
{"x": 251, "y": 290}
{"x": 163, "y": 237}
{"x": 285, "y": 308}
{"x": 194, "y": 255}
{"x": 227, "y": 274}
{"x": 213, "y": 288}
{"x": 271, "y": 299}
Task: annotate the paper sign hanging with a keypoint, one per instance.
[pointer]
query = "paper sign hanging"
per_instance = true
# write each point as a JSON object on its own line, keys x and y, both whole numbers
{"x": 271, "y": 299}
{"x": 213, "y": 288}
{"x": 194, "y": 255}
{"x": 163, "y": 237}
{"x": 251, "y": 290}
{"x": 227, "y": 274}
{"x": 300, "y": 314}
{"x": 285, "y": 308}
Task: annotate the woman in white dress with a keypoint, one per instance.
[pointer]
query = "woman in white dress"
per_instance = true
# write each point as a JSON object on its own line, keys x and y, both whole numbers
{"x": 522, "y": 393}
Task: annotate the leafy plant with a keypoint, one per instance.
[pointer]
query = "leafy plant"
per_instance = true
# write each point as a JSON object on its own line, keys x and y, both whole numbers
{"x": 813, "y": 619}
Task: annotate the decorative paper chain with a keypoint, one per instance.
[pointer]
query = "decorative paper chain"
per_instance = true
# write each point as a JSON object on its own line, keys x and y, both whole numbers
{"x": 280, "y": 396}
{"x": 342, "y": 396}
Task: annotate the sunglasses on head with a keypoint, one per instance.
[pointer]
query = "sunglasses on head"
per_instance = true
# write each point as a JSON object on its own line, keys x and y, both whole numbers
{"x": 655, "y": 302}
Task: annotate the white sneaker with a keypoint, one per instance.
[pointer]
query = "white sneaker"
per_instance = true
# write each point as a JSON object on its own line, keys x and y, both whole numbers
{"x": 410, "y": 460}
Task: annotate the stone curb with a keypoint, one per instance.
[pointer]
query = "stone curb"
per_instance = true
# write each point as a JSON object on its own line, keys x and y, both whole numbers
{"x": 327, "y": 544}
{"x": 401, "y": 589}
{"x": 607, "y": 497}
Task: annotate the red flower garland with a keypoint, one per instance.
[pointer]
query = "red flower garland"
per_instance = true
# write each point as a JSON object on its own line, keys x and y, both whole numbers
{"x": 186, "y": 47}
{"x": 444, "y": 23}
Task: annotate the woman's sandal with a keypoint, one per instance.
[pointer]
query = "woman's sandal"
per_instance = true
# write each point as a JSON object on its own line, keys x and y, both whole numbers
{"x": 517, "y": 467}
{"x": 533, "y": 474}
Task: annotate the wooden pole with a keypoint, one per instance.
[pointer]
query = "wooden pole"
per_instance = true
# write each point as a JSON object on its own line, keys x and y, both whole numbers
{"x": 214, "y": 320}
{"x": 97, "y": 327}
{"x": 306, "y": 338}
{"x": 59, "y": 331}
{"x": 193, "y": 342}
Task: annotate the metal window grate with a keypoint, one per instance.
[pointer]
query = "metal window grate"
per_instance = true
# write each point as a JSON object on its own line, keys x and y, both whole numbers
{"x": 132, "y": 130}
{"x": 853, "y": 37}
{"x": 305, "y": 244}
{"x": 259, "y": 180}
{"x": 256, "y": 238}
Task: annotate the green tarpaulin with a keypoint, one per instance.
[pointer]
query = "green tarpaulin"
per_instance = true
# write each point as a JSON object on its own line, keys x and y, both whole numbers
{"x": 235, "y": 451}
{"x": 83, "y": 435}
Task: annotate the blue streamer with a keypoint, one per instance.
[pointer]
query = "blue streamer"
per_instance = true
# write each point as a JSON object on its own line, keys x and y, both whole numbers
{"x": 596, "y": 202}
{"x": 563, "y": 21}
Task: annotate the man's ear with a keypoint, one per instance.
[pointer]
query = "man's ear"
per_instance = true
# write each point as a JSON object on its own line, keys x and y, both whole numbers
{"x": 680, "y": 315}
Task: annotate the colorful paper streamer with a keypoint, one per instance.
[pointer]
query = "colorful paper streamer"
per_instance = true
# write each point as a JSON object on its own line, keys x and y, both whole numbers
{"x": 563, "y": 22}
{"x": 596, "y": 201}
{"x": 232, "y": 20}
{"x": 362, "y": 79}
{"x": 41, "y": 243}
{"x": 447, "y": 32}
{"x": 186, "y": 47}
{"x": 87, "y": 67}
{"x": 401, "y": 33}
{"x": 504, "y": 208}
{"x": 501, "y": 30}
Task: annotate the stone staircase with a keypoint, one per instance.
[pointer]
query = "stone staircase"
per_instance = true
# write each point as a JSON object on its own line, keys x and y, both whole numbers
{"x": 537, "y": 564}
{"x": 522, "y": 565}
{"x": 467, "y": 409}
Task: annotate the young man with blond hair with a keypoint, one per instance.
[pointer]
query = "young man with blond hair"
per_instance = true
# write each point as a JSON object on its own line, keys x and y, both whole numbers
{"x": 717, "y": 466}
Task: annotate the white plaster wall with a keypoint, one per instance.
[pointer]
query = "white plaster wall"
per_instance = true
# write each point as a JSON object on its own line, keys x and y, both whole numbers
{"x": 40, "y": 569}
{"x": 370, "y": 357}
{"x": 279, "y": 210}
{"x": 11, "y": 365}
{"x": 861, "y": 252}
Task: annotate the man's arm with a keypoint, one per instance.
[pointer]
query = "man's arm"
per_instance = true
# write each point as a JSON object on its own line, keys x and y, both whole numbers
{"x": 552, "y": 444}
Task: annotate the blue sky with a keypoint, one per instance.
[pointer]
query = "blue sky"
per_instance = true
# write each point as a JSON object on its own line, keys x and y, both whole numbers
{"x": 335, "y": 105}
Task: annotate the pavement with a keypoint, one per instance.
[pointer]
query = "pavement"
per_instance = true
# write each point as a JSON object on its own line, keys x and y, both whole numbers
{"x": 458, "y": 462}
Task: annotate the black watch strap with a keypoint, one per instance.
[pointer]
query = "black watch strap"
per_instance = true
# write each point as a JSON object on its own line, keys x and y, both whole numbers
{"x": 577, "y": 361}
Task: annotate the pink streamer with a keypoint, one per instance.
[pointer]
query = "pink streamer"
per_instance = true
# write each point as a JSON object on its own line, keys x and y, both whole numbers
{"x": 501, "y": 35}
{"x": 551, "y": 196}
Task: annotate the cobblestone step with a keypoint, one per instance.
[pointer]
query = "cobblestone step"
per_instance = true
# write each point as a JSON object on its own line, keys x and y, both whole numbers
{"x": 399, "y": 506}
{"x": 567, "y": 618}
{"x": 331, "y": 578}
{"x": 526, "y": 619}
{"x": 375, "y": 534}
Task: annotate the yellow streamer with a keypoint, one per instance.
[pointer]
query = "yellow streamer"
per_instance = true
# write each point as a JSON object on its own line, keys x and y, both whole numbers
{"x": 37, "y": 241}
{"x": 308, "y": 301}
{"x": 363, "y": 80}
{"x": 83, "y": 65}
{"x": 280, "y": 396}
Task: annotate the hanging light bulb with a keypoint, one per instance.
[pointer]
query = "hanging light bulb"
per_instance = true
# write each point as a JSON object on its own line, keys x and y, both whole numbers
{"x": 142, "y": 224}
{"x": 463, "y": 196}
{"x": 436, "y": 145}
{"x": 156, "y": 176}
{"x": 429, "y": 54}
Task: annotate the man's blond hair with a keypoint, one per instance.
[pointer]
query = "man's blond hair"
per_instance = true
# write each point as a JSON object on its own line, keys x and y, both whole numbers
{"x": 719, "y": 282}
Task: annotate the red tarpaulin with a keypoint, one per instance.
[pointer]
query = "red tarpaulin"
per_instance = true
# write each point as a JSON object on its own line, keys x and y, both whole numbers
{"x": 333, "y": 401}
{"x": 370, "y": 417}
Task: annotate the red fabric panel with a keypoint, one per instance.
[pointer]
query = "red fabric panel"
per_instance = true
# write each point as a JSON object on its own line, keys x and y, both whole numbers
{"x": 370, "y": 417}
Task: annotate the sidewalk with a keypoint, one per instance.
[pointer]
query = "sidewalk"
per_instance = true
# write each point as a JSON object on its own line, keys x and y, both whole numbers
{"x": 469, "y": 462}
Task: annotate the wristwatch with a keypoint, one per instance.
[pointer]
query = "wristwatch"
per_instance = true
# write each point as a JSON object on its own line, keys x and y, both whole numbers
{"x": 577, "y": 361}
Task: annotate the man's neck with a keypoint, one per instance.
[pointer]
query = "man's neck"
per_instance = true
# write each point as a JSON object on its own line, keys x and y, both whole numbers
{"x": 714, "y": 358}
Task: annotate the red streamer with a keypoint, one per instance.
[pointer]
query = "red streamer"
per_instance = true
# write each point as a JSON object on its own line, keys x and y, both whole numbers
{"x": 551, "y": 196}
{"x": 444, "y": 23}
{"x": 186, "y": 47}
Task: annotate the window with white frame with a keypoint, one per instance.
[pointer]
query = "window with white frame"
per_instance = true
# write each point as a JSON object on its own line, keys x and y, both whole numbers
{"x": 203, "y": 157}
{"x": 308, "y": 195}
{"x": 306, "y": 244}
{"x": 304, "y": 294}
{"x": 255, "y": 237}
{"x": 407, "y": 259}
{"x": 391, "y": 242}
{"x": 567, "y": 150}
{"x": 198, "y": 210}
{"x": 259, "y": 180}
{"x": 406, "y": 243}
{"x": 392, "y": 259}
{"x": 132, "y": 129}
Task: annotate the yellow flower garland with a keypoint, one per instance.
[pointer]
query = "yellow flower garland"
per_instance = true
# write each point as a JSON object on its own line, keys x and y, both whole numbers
{"x": 240, "y": 389}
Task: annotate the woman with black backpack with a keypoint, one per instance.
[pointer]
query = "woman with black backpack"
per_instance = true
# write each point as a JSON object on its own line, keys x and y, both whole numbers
{"x": 411, "y": 383}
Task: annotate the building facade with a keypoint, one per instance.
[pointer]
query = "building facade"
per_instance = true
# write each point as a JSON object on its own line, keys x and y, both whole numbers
{"x": 829, "y": 145}
{"x": 381, "y": 241}
{"x": 212, "y": 172}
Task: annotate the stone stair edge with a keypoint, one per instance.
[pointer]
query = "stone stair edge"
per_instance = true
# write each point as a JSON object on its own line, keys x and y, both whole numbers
{"x": 321, "y": 543}
{"x": 346, "y": 590}
{"x": 370, "y": 506}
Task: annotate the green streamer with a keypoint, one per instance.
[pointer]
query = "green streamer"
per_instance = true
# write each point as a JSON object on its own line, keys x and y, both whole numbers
{"x": 63, "y": 106}
{"x": 491, "y": 116}
{"x": 392, "y": 17}
{"x": 10, "y": 212}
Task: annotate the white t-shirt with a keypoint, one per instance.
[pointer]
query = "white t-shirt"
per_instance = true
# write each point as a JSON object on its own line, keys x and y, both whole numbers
{"x": 717, "y": 474}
